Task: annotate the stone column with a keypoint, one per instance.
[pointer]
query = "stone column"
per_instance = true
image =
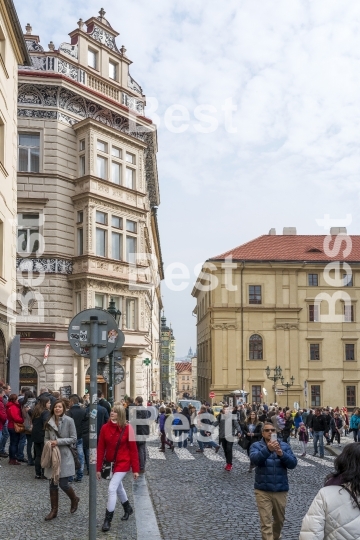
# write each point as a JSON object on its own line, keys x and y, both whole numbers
{"x": 133, "y": 376}
{"x": 127, "y": 375}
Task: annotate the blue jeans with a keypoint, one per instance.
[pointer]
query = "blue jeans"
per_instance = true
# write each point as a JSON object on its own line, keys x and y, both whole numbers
{"x": 14, "y": 444}
{"x": 211, "y": 443}
{"x": 5, "y": 436}
{"x": 29, "y": 444}
{"x": 356, "y": 434}
{"x": 80, "y": 450}
{"x": 21, "y": 446}
{"x": 193, "y": 430}
{"x": 184, "y": 435}
{"x": 319, "y": 437}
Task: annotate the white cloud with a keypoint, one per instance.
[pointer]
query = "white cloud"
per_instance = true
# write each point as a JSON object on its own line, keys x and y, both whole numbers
{"x": 292, "y": 68}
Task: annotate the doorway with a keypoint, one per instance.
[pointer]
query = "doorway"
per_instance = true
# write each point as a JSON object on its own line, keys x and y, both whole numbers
{"x": 29, "y": 377}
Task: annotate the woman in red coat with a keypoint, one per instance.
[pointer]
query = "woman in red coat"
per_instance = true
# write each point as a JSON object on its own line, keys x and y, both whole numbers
{"x": 13, "y": 413}
{"x": 126, "y": 457}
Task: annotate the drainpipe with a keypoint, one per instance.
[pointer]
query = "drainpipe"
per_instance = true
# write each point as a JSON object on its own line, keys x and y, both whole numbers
{"x": 242, "y": 325}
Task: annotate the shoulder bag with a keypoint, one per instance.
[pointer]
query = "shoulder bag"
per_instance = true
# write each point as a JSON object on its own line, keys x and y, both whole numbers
{"x": 107, "y": 468}
{"x": 19, "y": 428}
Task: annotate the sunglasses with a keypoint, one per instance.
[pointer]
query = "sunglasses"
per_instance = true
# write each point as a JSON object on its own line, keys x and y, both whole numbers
{"x": 270, "y": 430}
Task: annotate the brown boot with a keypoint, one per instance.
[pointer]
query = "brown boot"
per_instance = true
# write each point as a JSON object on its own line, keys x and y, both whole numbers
{"x": 54, "y": 499}
{"x": 73, "y": 498}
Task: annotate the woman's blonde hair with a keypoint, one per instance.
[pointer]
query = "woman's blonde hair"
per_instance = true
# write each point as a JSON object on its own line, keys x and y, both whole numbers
{"x": 121, "y": 416}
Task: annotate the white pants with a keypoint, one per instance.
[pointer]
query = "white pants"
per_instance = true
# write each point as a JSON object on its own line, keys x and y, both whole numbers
{"x": 116, "y": 488}
{"x": 303, "y": 446}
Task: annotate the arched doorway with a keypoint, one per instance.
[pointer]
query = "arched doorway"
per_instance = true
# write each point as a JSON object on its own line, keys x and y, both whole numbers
{"x": 2, "y": 357}
{"x": 29, "y": 377}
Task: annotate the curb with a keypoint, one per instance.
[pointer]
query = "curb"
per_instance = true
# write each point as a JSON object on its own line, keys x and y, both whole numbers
{"x": 146, "y": 523}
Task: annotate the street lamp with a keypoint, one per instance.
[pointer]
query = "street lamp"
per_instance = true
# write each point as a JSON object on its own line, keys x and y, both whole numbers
{"x": 276, "y": 377}
{"x": 288, "y": 385}
{"x": 112, "y": 309}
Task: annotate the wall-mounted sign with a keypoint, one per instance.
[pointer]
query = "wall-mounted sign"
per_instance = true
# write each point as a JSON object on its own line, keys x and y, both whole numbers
{"x": 36, "y": 334}
{"x": 46, "y": 353}
{"x": 65, "y": 391}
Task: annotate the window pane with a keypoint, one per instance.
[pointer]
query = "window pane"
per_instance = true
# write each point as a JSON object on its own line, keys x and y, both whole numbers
{"x": 34, "y": 159}
{"x": 29, "y": 139}
{"x": 34, "y": 241}
{"x": 130, "y": 314}
{"x": 255, "y": 294}
{"x": 115, "y": 172}
{"x": 80, "y": 241}
{"x": 348, "y": 280}
{"x": 315, "y": 396}
{"x": 130, "y": 158}
{"x": 101, "y": 217}
{"x": 349, "y": 351}
{"x": 350, "y": 396}
{"x": 116, "y": 247}
{"x": 131, "y": 226}
{"x": 255, "y": 347}
{"x": 102, "y": 146}
{"x": 116, "y": 152}
{"x": 313, "y": 280}
{"x": 314, "y": 351}
{"x": 99, "y": 300}
{"x": 92, "y": 59}
{"x": 130, "y": 176}
{"x": 80, "y": 216}
{"x": 101, "y": 167}
{"x": 23, "y": 159}
{"x": 130, "y": 249}
{"x": 82, "y": 145}
{"x": 22, "y": 241}
{"x": 82, "y": 165}
{"x": 255, "y": 392}
{"x": 112, "y": 70}
{"x": 100, "y": 242}
{"x": 116, "y": 222}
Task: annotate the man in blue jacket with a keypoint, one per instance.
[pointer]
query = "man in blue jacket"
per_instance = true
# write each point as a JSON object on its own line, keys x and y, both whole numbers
{"x": 272, "y": 459}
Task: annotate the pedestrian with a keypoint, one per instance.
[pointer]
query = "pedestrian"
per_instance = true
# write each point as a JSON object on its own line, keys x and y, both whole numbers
{"x": 27, "y": 406}
{"x": 252, "y": 429}
{"x": 129, "y": 402}
{"x": 60, "y": 433}
{"x": 5, "y": 431}
{"x": 103, "y": 402}
{"x": 297, "y": 421}
{"x": 3, "y": 416}
{"x": 303, "y": 438}
{"x": 229, "y": 430}
{"x": 117, "y": 443}
{"x": 78, "y": 414}
{"x": 183, "y": 427}
{"x": 14, "y": 416}
{"x": 334, "y": 513}
{"x": 204, "y": 437}
{"x": 336, "y": 426}
{"x": 355, "y": 425}
{"x": 272, "y": 459}
{"x": 39, "y": 417}
{"x": 44, "y": 392}
{"x": 142, "y": 431}
{"x": 193, "y": 414}
{"x": 318, "y": 427}
{"x": 288, "y": 426}
{"x": 164, "y": 415}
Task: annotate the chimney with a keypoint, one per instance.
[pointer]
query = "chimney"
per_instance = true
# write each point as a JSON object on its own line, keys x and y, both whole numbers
{"x": 289, "y": 231}
{"x": 272, "y": 231}
{"x": 338, "y": 230}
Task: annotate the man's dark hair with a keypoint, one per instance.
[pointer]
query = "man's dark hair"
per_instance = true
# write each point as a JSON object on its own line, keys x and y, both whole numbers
{"x": 25, "y": 389}
{"x": 347, "y": 464}
{"x": 129, "y": 400}
{"x": 99, "y": 393}
{"x": 267, "y": 423}
{"x": 74, "y": 398}
{"x": 139, "y": 399}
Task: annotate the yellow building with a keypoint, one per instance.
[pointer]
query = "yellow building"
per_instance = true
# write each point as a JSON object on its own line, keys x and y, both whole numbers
{"x": 288, "y": 301}
{"x": 12, "y": 53}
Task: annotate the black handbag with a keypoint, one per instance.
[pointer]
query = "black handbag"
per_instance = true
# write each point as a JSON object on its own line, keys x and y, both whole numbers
{"x": 107, "y": 468}
{"x": 73, "y": 450}
{"x": 244, "y": 442}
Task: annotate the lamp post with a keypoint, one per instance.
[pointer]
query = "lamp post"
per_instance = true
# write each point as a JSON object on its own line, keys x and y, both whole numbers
{"x": 116, "y": 314}
{"x": 288, "y": 385}
{"x": 276, "y": 377}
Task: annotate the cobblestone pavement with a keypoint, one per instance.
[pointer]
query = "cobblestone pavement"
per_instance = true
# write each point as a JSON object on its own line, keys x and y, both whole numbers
{"x": 24, "y": 502}
{"x": 194, "y": 497}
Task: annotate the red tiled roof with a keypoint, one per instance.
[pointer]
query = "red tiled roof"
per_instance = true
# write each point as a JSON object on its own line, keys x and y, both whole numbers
{"x": 183, "y": 366}
{"x": 295, "y": 248}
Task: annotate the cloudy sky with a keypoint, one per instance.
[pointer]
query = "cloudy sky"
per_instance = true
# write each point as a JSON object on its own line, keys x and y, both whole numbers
{"x": 286, "y": 156}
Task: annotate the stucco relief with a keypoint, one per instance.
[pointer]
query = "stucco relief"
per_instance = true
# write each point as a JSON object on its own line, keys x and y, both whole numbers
{"x": 224, "y": 326}
{"x": 287, "y": 326}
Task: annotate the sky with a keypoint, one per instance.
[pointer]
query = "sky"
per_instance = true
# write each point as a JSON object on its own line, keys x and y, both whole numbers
{"x": 279, "y": 81}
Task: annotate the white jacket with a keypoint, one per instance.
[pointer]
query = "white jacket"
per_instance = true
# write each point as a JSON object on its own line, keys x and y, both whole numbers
{"x": 331, "y": 516}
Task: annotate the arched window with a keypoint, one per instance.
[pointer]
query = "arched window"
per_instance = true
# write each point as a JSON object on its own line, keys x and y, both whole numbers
{"x": 256, "y": 347}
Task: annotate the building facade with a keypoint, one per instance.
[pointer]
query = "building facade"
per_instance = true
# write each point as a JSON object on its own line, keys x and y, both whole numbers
{"x": 287, "y": 301}
{"x": 168, "y": 377}
{"x": 184, "y": 388}
{"x": 13, "y": 52}
{"x": 88, "y": 194}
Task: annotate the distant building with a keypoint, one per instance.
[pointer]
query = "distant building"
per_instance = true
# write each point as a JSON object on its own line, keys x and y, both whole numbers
{"x": 194, "y": 375}
{"x": 167, "y": 362}
{"x": 184, "y": 383}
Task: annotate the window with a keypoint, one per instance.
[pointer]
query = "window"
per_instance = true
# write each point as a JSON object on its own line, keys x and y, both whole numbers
{"x": 131, "y": 226}
{"x": 348, "y": 313}
{"x": 99, "y": 300}
{"x": 116, "y": 152}
{"x": 187, "y": 378}
{"x": 112, "y": 70}
{"x": 116, "y": 246}
{"x": 315, "y": 396}
{"x": 116, "y": 222}
{"x": 188, "y": 387}
{"x": 348, "y": 280}
{"x": 254, "y": 294}
{"x": 116, "y": 172}
{"x": 101, "y": 167}
{"x": 256, "y": 393}
{"x": 102, "y": 146}
{"x": 130, "y": 178}
{"x": 313, "y": 280}
{"x": 255, "y": 347}
{"x": 80, "y": 216}
{"x": 314, "y": 351}
{"x": 313, "y": 313}
{"x": 349, "y": 351}
{"x": 183, "y": 377}
{"x": 130, "y": 158}
{"x": 131, "y": 314}
{"x": 101, "y": 217}
{"x": 183, "y": 387}
{"x": 131, "y": 249}
{"x": 82, "y": 165}
{"x": 82, "y": 145}
{"x": 100, "y": 242}
{"x": 92, "y": 58}
{"x": 80, "y": 241}
{"x": 29, "y": 152}
{"x": 350, "y": 396}
{"x": 28, "y": 236}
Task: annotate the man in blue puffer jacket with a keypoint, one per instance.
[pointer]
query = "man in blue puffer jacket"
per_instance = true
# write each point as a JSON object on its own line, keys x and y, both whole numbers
{"x": 272, "y": 459}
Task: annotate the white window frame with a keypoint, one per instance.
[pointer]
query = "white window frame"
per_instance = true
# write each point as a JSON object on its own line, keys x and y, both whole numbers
{"x": 29, "y": 132}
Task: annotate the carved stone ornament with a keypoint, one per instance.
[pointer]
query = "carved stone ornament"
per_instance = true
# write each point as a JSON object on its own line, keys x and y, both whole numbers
{"x": 135, "y": 87}
{"x": 104, "y": 37}
{"x": 224, "y": 326}
{"x": 71, "y": 50}
{"x": 47, "y": 266}
{"x": 33, "y": 46}
{"x": 133, "y": 103}
{"x": 287, "y": 326}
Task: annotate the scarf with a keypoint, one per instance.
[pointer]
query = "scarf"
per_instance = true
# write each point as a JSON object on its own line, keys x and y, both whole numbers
{"x": 51, "y": 459}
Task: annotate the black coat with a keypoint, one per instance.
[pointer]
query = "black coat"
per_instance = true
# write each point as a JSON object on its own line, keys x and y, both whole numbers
{"x": 257, "y": 433}
{"x": 102, "y": 418}
{"x": 105, "y": 404}
{"x": 289, "y": 424}
{"x": 318, "y": 423}
{"x": 142, "y": 429}
{"x": 38, "y": 432}
{"x": 78, "y": 414}
{"x": 47, "y": 395}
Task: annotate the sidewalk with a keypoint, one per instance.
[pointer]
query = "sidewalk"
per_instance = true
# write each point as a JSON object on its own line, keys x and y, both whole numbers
{"x": 334, "y": 450}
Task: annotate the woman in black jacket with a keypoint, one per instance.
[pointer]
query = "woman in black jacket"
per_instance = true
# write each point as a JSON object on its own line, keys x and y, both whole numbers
{"x": 252, "y": 430}
{"x": 40, "y": 415}
{"x": 289, "y": 424}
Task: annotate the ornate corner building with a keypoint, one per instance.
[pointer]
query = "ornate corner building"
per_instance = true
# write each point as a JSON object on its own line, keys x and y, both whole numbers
{"x": 88, "y": 194}
{"x": 168, "y": 377}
